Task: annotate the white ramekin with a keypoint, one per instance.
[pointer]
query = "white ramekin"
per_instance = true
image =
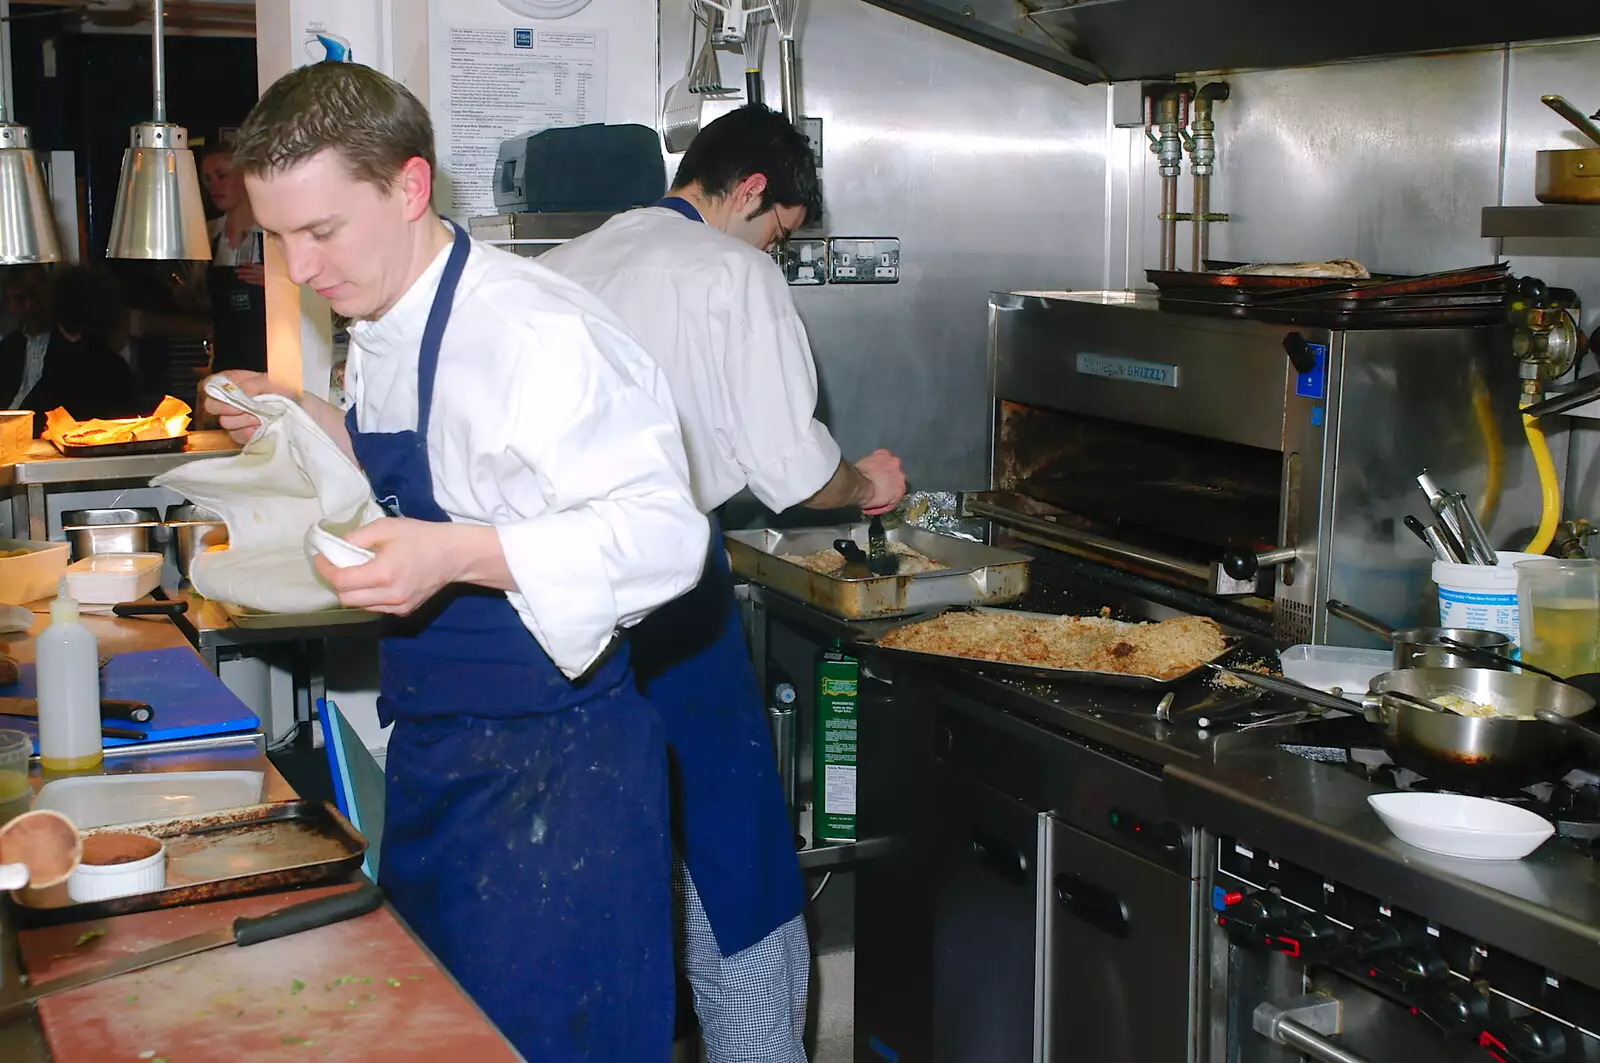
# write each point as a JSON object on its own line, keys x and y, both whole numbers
{"x": 100, "y": 881}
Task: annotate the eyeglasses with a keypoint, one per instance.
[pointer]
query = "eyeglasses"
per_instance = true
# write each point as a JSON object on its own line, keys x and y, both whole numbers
{"x": 780, "y": 245}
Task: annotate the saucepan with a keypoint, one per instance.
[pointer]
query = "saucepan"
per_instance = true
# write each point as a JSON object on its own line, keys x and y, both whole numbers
{"x": 1530, "y": 739}
{"x": 1433, "y": 647}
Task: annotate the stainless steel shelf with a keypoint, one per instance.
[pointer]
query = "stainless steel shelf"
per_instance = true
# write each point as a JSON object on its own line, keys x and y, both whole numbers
{"x": 842, "y": 856}
{"x": 44, "y": 464}
{"x": 1552, "y": 220}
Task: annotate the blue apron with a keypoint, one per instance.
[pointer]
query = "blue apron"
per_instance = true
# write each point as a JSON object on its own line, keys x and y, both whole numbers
{"x": 525, "y": 836}
{"x": 730, "y": 823}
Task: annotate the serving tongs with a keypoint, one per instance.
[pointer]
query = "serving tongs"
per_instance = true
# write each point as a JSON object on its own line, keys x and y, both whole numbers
{"x": 1290, "y": 688}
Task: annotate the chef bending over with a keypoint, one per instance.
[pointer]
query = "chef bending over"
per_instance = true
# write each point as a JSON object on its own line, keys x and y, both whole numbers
{"x": 527, "y": 449}
{"x": 692, "y": 278}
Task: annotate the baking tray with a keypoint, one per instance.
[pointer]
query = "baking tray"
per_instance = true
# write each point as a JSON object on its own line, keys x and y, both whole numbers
{"x": 234, "y": 853}
{"x": 1052, "y": 675}
{"x": 168, "y": 445}
{"x": 976, "y": 573}
{"x": 250, "y": 619}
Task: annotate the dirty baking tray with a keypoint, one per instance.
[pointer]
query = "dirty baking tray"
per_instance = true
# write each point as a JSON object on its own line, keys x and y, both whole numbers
{"x": 166, "y": 445}
{"x": 234, "y": 853}
{"x": 250, "y": 619}
{"x": 975, "y": 572}
{"x": 1052, "y": 675}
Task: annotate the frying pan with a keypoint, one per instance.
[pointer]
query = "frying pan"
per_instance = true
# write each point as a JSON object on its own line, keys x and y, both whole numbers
{"x": 1431, "y": 647}
{"x": 1496, "y": 753}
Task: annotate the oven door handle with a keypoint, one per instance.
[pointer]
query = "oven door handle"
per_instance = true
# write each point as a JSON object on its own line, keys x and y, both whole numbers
{"x": 1302, "y": 1025}
{"x": 1094, "y": 904}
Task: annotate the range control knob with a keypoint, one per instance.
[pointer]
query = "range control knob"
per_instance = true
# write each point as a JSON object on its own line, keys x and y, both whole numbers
{"x": 1457, "y": 1008}
{"x": 1374, "y": 938}
{"x": 1409, "y": 970}
{"x": 1530, "y": 1039}
{"x": 1251, "y": 918}
{"x": 1310, "y": 936}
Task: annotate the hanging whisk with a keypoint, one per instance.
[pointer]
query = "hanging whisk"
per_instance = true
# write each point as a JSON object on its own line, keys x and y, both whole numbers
{"x": 755, "y": 48}
{"x": 786, "y": 14}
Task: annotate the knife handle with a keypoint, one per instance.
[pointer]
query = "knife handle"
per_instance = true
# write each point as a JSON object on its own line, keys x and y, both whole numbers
{"x": 119, "y": 709}
{"x": 123, "y": 732}
{"x": 126, "y": 609}
{"x": 309, "y": 915}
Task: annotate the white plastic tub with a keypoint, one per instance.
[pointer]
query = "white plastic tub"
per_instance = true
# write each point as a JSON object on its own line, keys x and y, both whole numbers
{"x": 33, "y": 575}
{"x": 106, "y": 579}
{"x": 105, "y": 800}
{"x": 1480, "y": 596}
{"x": 1327, "y": 667}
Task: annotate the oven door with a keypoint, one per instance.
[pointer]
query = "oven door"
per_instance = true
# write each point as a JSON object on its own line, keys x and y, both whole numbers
{"x": 1113, "y": 964}
{"x": 985, "y": 925}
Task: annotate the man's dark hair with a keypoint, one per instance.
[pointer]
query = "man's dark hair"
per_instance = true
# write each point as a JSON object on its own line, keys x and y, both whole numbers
{"x": 27, "y": 271}
{"x": 372, "y": 121}
{"x": 754, "y": 140}
{"x": 87, "y": 301}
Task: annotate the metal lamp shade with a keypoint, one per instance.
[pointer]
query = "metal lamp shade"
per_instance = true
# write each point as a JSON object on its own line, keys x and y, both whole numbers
{"x": 27, "y": 228}
{"x": 158, "y": 213}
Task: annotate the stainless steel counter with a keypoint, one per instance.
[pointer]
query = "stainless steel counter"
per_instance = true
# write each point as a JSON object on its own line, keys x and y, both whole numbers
{"x": 1545, "y": 909}
{"x": 44, "y": 467}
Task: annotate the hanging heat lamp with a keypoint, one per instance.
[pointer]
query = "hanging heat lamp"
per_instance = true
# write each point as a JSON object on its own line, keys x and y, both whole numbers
{"x": 158, "y": 213}
{"x": 27, "y": 228}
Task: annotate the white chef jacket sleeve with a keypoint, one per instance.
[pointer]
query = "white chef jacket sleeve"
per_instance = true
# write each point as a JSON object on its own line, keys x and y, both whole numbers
{"x": 786, "y": 453}
{"x": 620, "y": 533}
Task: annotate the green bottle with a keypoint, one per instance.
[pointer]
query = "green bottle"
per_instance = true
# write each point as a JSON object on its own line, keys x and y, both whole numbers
{"x": 833, "y": 768}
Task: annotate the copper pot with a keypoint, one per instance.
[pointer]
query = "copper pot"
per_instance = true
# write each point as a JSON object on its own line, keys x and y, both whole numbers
{"x": 1571, "y": 175}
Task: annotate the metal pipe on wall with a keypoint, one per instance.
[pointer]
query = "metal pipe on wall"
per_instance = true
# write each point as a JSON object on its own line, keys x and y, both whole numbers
{"x": 1169, "y": 113}
{"x": 1202, "y": 161}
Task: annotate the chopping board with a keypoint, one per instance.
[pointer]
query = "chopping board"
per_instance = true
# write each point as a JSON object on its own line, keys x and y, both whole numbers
{"x": 189, "y": 699}
{"x": 361, "y": 989}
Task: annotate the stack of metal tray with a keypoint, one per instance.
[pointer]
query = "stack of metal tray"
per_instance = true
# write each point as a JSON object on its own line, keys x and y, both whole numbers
{"x": 975, "y": 573}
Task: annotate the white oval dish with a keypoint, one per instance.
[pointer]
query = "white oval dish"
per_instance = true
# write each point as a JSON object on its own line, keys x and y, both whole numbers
{"x": 1472, "y": 828}
{"x": 102, "y": 881}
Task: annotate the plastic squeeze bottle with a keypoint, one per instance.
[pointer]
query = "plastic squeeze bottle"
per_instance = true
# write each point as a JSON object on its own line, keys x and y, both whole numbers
{"x": 67, "y": 662}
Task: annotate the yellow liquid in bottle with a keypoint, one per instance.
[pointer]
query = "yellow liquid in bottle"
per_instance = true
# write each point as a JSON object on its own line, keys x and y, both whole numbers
{"x": 1565, "y": 634}
{"x": 68, "y": 764}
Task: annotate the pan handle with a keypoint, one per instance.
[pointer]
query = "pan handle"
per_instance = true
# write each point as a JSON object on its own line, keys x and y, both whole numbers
{"x": 1360, "y": 619}
{"x": 1290, "y": 688}
{"x": 1585, "y": 737}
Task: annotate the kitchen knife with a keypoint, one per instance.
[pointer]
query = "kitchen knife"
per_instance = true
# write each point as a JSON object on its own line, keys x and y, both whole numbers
{"x": 110, "y": 709}
{"x": 309, "y": 915}
{"x": 880, "y": 562}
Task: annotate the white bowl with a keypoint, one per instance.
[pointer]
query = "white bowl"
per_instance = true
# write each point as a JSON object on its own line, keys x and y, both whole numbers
{"x": 99, "y": 882}
{"x": 1468, "y": 827}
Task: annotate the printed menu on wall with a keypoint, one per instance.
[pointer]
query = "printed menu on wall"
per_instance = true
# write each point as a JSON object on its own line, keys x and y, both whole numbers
{"x": 491, "y": 83}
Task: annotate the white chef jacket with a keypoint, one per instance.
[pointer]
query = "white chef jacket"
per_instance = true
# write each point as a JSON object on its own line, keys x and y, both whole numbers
{"x": 551, "y": 424}
{"x": 717, "y": 315}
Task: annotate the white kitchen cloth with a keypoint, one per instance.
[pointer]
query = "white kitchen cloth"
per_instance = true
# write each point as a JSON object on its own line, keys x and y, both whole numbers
{"x": 290, "y": 476}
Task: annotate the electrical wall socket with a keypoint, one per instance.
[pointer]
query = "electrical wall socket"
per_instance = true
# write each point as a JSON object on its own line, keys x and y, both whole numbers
{"x": 864, "y": 260}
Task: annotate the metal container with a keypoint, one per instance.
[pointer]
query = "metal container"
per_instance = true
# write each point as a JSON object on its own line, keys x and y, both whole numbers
{"x": 193, "y": 531}
{"x": 1571, "y": 175}
{"x": 1420, "y": 647}
{"x": 976, "y": 573}
{"x": 109, "y": 531}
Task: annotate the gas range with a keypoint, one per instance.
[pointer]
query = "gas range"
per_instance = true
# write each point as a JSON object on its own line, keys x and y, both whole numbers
{"x": 1571, "y": 803}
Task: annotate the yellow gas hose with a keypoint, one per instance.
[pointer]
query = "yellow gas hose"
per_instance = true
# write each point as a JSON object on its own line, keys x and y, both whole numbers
{"x": 1494, "y": 450}
{"x": 1549, "y": 487}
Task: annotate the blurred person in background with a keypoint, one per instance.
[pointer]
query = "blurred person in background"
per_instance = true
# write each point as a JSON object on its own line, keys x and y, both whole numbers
{"x": 23, "y": 350}
{"x": 82, "y": 369}
{"x": 236, "y": 277}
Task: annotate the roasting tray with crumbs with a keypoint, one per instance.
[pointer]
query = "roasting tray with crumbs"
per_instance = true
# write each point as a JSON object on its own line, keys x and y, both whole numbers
{"x": 970, "y": 573}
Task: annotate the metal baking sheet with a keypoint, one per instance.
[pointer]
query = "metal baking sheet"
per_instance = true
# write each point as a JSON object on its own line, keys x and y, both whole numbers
{"x": 252, "y": 620}
{"x": 1053, "y": 675}
{"x": 166, "y": 445}
{"x": 976, "y": 573}
{"x": 234, "y": 853}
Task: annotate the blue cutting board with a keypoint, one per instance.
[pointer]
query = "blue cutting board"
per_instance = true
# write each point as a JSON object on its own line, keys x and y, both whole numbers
{"x": 189, "y": 700}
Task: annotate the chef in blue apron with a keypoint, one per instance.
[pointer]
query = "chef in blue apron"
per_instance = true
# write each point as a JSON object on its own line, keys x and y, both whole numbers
{"x": 692, "y": 279}
{"x": 527, "y": 450}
